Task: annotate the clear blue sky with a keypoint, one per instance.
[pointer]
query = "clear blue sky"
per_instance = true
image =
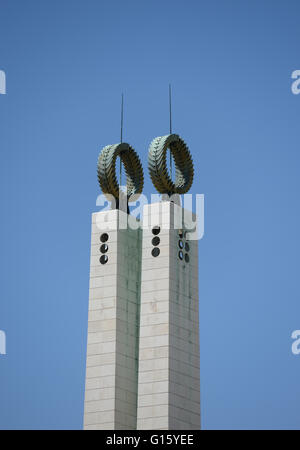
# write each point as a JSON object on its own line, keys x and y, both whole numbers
{"x": 230, "y": 64}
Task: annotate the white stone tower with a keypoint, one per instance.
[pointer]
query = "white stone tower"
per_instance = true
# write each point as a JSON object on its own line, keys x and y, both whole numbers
{"x": 169, "y": 368}
{"x": 114, "y": 301}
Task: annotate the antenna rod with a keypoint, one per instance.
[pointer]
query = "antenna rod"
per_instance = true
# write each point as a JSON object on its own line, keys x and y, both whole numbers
{"x": 170, "y": 113}
{"x": 122, "y": 107}
{"x": 122, "y": 103}
{"x": 170, "y": 108}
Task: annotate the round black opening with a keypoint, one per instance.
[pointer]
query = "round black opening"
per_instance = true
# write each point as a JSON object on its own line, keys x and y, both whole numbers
{"x": 155, "y": 252}
{"x": 103, "y": 248}
{"x": 180, "y": 254}
{"x": 187, "y": 247}
{"x": 104, "y": 237}
{"x": 180, "y": 244}
{"x": 186, "y": 257}
{"x": 103, "y": 259}
{"x": 155, "y": 240}
{"x": 156, "y": 230}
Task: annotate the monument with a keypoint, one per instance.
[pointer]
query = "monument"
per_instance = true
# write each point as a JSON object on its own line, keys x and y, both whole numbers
{"x": 142, "y": 368}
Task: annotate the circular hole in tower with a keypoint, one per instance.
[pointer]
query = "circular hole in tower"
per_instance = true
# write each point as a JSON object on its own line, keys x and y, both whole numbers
{"x": 103, "y": 259}
{"x": 155, "y": 240}
{"x": 103, "y": 248}
{"x": 156, "y": 230}
{"x": 155, "y": 252}
{"x": 187, "y": 247}
{"x": 180, "y": 244}
{"x": 186, "y": 257}
{"x": 104, "y": 237}
{"x": 180, "y": 254}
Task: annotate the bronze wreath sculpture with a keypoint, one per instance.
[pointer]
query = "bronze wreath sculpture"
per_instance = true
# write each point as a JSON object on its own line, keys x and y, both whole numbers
{"x": 106, "y": 170}
{"x": 157, "y": 163}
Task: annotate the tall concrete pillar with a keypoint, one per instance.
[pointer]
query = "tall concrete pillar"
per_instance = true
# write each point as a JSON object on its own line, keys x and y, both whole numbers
{"x": 169, "y": 374}
{"x": 114, "y": 302}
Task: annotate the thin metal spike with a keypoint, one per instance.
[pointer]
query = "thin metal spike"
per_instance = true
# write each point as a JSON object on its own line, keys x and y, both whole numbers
{"x": 170, "y": 107}
{"x": 122, "y": 108}
{"x": 170, "y": 114}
